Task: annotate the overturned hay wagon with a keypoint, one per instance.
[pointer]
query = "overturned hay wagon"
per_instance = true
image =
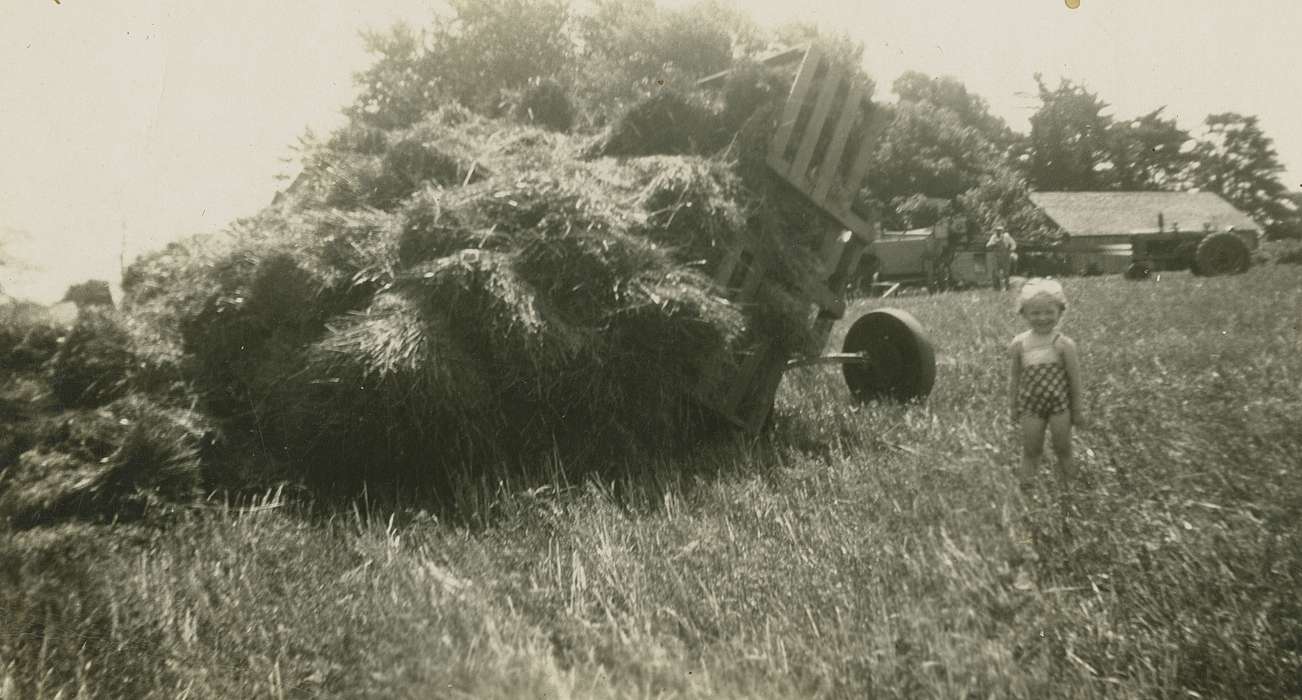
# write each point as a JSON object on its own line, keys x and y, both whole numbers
{"x": 821, "y": 148}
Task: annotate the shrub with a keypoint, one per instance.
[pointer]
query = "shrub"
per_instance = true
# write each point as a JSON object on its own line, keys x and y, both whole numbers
{"x": 1279, "y": 252}
{"x": 90, "y": 293}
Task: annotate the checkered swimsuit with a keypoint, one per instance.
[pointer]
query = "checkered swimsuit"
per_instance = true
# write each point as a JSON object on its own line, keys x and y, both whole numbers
{"x": 1042, "y": 390}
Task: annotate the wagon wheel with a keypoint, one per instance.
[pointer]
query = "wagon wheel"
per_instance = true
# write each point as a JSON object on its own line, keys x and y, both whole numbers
{"x": 1220, "y": 253}
{"x": 901, "y": 363}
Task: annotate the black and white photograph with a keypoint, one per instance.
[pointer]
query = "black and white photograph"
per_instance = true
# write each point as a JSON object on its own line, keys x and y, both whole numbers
{"x": 660, "y": 349}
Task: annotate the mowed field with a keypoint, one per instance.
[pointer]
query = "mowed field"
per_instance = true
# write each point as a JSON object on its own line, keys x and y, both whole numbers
{"x": 852, "y": 551}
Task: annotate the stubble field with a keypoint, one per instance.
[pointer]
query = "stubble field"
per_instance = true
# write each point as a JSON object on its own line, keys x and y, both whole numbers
{"x": 852, "y": 551}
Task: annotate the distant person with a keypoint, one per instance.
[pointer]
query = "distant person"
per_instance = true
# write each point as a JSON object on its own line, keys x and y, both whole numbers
{"x": 1044, "y": 381}
{"x": 1003, "y": 250}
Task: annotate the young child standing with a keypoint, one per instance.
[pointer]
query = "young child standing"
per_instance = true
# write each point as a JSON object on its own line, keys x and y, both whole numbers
{"x": 1044, "y": 380}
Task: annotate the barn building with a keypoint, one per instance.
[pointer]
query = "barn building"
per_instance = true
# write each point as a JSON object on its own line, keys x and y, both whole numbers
{"x": 1104, "y": 229}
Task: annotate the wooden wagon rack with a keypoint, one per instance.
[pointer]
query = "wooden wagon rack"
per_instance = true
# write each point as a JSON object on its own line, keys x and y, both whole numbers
{"x": 822, "y": 147}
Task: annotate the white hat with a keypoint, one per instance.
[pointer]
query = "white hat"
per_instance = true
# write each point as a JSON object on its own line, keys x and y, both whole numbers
{"x": 1039, "y": 287}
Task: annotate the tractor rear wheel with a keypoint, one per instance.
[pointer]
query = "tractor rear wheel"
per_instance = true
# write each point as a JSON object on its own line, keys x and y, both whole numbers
{"x": 901, "y": 363}
{"x": 1221, "y": 253}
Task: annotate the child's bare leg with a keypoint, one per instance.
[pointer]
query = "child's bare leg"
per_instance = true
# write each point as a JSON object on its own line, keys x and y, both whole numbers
{"x": 1032, "y": 450}
{"x": 1060, "y": 437}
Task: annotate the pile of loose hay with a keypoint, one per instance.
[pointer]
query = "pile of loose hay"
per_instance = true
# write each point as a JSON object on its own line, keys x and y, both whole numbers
{"x": 78, "y": 437}
{"x": 113, "y": 462}
{"x": 470, "y": 294}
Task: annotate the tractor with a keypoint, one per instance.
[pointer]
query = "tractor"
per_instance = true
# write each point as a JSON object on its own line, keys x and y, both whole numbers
{"x": 1205, "y": 252}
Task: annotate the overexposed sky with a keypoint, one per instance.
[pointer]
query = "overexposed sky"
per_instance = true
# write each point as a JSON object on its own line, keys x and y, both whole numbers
{"x": 145, "y": 120}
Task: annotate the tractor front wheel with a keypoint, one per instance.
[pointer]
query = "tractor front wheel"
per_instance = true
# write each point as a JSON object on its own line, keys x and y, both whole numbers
{"x": 1221, "y": 253}
{"x": 1138, "y": 271}
{"x": 901, "y": 364}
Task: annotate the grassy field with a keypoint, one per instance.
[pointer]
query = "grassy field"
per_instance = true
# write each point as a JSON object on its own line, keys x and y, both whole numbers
{"x": 854, "y": 551}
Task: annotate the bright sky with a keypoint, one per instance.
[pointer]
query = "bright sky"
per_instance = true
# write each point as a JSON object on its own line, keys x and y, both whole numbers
{"x": 145, "y": 120}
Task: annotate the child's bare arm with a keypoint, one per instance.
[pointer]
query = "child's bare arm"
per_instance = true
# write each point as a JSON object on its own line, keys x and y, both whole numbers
{"x": 1014, "y": 375}
{"x": 1071, "y": 360}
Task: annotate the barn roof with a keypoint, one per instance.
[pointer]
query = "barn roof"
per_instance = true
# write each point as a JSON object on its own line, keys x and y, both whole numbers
{"x": 1121, "y": 213}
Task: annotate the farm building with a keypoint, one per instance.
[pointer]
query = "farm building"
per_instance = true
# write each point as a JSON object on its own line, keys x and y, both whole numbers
{"x": 1107, "y": 231}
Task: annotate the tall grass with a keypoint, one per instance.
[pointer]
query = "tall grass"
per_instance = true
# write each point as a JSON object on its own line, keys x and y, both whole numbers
{"x": 854, "y": 551}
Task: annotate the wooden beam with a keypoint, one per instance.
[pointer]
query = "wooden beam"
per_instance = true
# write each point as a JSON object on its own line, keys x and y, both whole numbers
{"x": 781, "y": 58}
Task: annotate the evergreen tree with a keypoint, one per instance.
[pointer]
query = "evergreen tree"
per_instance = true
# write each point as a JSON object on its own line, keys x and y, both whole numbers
{"x": 1070, "y": 147}
{"x": 1236, "y": 159}
{"x": 1148, "y": 153}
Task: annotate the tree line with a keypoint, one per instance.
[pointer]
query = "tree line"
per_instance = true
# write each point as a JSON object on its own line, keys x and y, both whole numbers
{"x": 944, "y": 155}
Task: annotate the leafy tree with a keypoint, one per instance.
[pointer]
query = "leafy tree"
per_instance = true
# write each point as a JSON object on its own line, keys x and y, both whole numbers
{"x": 397, "y": 88}
{"x": 843, "y": 49}
{"x": 643, "y": 41}
{"x": 497, "y": 44}
{"x": 495, "y": 55}
{"x": 1236, "y": 159}
{"x": 971, "y": 110}
{"x": 1148, "y": 153}
{"x": 470, "y": 56}
{"x": 1002, "y": 198}
{"x": 941, "y": 142}
{"x": 1070, "y": 145}
{"x": 631, "y": 49}
{"x": 926, "y": 150}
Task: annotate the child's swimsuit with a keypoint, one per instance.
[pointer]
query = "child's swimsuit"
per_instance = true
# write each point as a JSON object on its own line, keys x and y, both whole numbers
{"x": 1042, "y": 390}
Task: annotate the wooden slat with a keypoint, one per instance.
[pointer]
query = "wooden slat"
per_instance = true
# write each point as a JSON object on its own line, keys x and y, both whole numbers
{"x": 814, "y": 129}
{"x": 827, "y": 170}
{"x": 795, "y": 100}
{"x": 872, "y": 130}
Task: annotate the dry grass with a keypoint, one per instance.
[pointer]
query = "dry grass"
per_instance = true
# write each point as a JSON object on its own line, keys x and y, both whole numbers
{"x": 854, "y": 552}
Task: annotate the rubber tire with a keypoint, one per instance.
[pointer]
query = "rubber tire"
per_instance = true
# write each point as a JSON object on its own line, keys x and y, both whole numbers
{"x": 1221, "y": 253}
{"x": 1138, "y": 271}
{"x": 902, "y": 364}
